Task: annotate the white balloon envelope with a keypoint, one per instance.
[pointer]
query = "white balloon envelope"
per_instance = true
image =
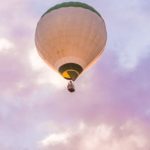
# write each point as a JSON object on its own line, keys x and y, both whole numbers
{"x": 70, "y": 37}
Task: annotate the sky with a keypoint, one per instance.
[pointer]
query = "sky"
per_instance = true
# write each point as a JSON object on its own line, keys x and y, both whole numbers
{"x": 111, "y": 106}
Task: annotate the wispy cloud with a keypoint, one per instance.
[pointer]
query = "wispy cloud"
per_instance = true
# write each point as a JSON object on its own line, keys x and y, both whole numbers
{"x": 131, "y": 136}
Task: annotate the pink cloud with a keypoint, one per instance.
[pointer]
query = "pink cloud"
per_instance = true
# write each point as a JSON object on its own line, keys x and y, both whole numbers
{"x": 131, "y": 136}
{"x": 108, "y": 93}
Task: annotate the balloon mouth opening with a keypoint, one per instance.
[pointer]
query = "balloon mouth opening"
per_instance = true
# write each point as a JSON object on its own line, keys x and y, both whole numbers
{"x": 70, "y": 71}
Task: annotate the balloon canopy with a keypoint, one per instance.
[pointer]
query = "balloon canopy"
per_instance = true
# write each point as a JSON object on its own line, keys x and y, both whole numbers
{"x": 70, "y": 37}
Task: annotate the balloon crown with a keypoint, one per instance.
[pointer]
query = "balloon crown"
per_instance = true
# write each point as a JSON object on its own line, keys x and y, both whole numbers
{"x": 72, "y": 4}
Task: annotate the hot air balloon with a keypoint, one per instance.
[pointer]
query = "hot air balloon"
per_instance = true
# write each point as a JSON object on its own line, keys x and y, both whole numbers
{"x": 70, "y": 37}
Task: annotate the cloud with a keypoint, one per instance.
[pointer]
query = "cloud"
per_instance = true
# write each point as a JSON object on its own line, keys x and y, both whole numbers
{"x": 45, "y": 73}
{"x": 5, "y": 45}
{"x": 129, "y": 136}
{"x": 54, "y": 139}
{"x": 128, "y": 33}
{"x": 108, "y": 98}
